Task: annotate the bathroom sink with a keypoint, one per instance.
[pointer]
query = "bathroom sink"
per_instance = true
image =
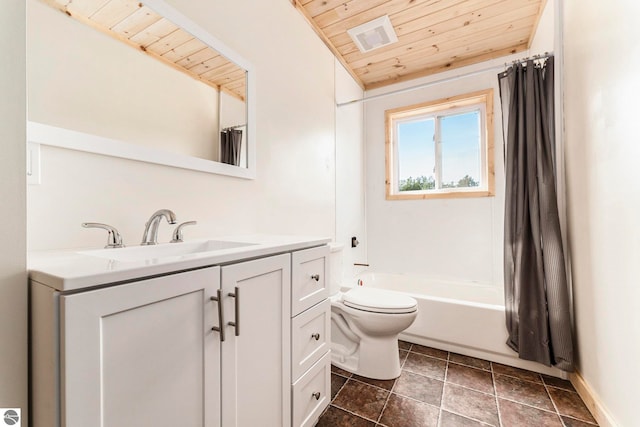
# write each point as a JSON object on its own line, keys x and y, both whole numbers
{"x": 164, "y": 250}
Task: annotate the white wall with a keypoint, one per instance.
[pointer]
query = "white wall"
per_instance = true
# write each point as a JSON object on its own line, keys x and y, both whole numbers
{"x": 294, "y": 192}
{"x": 453, "y": 239}
{"x": 544, "y": 39}
{"x": 602, "y": 58}
{"x": 13, "y": 278}
{"x": 350, "y": 172}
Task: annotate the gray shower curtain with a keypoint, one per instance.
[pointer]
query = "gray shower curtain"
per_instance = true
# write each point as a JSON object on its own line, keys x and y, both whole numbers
{"x": 536, "y": 291}
{"x": 230, "y": 145}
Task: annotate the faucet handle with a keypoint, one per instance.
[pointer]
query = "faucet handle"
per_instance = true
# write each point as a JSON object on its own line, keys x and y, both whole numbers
{"x": 177, "y": 233}
{"x": 114, "y": 239}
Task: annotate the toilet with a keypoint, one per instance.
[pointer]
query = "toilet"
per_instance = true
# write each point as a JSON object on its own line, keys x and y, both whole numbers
{"x": 365, "y": 323}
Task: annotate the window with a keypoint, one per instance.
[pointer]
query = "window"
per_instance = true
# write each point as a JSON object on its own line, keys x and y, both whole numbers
{"x": 442, "y": 148}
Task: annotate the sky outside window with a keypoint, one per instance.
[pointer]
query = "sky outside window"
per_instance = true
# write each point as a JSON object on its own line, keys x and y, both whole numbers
{"x": 460, "y": 136}
{"x": 416, "y": 151}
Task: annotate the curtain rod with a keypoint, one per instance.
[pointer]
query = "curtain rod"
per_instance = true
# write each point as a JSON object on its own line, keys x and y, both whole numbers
{"x": 445, "y": 80}
{"x": 533, "y": 58}
{"x": 233, "y": 127}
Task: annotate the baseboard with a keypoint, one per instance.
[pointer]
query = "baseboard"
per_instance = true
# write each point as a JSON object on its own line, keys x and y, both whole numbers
{"x": 591, "y": 399}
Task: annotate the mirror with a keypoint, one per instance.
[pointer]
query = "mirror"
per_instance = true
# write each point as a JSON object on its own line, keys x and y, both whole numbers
{"x": 149, "y": 85}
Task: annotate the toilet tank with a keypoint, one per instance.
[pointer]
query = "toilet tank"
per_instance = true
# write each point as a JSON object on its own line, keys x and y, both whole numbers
{"x": 335, "y": 267}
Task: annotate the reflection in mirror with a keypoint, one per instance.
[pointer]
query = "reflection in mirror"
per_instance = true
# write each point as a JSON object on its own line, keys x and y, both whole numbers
{"x": 179, "y": 90}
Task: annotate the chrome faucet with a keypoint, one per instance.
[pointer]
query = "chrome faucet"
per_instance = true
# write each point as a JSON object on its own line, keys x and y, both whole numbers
{"x": 150, "y": 236}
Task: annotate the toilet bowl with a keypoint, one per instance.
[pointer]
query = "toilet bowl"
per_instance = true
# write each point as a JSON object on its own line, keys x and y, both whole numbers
{"x": 365, "y": 323}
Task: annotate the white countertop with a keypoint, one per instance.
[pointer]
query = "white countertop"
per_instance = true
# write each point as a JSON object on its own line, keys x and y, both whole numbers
{"x": 74, "y": 269}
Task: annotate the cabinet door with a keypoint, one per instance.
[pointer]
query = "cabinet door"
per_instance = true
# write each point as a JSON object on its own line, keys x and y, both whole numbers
{"x": 142, "y": 354}
{"x": 256, "y": 354}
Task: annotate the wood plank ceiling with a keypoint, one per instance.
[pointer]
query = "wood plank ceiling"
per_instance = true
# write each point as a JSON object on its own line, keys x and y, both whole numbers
{"x": 433, "y": 35}
{"x": 131, "y": 22}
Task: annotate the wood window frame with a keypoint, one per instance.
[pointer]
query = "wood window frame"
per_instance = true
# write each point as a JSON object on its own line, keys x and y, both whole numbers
{"x": 391, "y": 180}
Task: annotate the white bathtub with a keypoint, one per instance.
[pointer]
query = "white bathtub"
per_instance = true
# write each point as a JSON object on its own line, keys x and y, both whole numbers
{"x": 465, "y": 318}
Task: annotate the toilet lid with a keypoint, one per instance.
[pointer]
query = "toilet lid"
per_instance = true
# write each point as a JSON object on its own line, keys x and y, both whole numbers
{"x": 378, "y": 300}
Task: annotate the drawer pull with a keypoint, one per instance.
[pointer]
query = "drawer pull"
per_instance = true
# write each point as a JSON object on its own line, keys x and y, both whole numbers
{"x": 316, "y": 395}
{"x": 220, "y": 328}
{"x": 315, "y": 277}
{"x": 316, "y": 336}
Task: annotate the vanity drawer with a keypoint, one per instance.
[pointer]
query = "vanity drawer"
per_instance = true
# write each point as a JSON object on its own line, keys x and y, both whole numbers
{"x": 310, "y": 337}
{"x": 309, "y": 278}
{"x": 312, "y": 393}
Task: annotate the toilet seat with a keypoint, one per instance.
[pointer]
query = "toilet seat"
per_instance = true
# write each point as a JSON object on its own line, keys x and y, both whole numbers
{"x": 378, "y": 301}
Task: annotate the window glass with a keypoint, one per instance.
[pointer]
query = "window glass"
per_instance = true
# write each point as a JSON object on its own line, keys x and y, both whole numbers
{"x": 416, "y": 155}
{"x": 461, "y": 143}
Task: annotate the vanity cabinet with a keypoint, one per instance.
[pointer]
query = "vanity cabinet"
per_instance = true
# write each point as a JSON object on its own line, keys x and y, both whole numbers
{"x": 142, "y": 354}
{"x": 214, "y": 346}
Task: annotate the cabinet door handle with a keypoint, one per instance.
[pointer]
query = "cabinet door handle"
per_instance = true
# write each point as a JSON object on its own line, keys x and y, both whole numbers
{"x": 316, "y": 336}
{"x": 316, "y": 395}
{"x": 236, "y": 324}
{"x": 315, "y": 277}
{"x": 220, "y": 328}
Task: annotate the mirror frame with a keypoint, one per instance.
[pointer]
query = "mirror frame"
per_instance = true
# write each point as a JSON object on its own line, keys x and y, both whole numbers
{"x": 64, "y": 138}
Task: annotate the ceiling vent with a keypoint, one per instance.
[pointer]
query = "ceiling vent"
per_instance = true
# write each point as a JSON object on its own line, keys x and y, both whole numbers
{"x": 373, "y": 34}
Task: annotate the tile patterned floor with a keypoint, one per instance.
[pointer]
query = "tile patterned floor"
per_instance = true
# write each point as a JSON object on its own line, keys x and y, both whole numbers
{"x": 441, "y": 389}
